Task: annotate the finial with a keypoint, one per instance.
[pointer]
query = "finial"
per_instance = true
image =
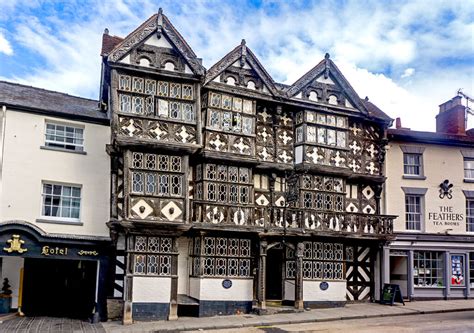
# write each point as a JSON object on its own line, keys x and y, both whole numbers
{"x": 366, "y": 98}
{"x": 243, "y": 42}
{"x": 106, "y": 31}
{"x": 160, "y": 11}
{"x": 326, "y": 56}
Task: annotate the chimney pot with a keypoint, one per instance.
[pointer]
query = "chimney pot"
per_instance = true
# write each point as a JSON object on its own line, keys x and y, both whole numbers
{"x": 451, "y": 118}
{"x": 398, "y": 123}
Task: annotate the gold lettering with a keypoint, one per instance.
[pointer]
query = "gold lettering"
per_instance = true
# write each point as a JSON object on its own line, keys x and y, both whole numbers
{"x": 45, "y": 250}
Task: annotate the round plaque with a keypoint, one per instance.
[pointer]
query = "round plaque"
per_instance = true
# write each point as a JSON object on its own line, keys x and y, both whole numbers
{"x": 324, "y": 285}
{"x": 227, "y": 284}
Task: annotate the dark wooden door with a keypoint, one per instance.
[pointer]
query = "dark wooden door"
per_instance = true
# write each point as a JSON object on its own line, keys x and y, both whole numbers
{"x": 274, "y": 274}
{"x": 59, "y": 288}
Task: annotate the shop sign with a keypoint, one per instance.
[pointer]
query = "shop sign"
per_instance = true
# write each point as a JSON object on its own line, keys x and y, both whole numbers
{"x": 15, "y": 245}
{"x": 61, "y": 251}
{"x": 446, "y": 216}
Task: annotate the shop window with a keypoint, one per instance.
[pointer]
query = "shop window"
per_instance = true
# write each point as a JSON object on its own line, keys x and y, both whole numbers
{"x": 471, "y": 269}
{"x": 457, "y": 270}
{"x": 470, "y": 215}
{"x": 61, "y": 202}
{"x": 413, "y": 212}
{"x": 67, "y": 137}
{"x": 428, "y": 269}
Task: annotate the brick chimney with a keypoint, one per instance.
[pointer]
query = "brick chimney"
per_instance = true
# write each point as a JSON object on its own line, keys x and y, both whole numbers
{"x": 451, "y": 118}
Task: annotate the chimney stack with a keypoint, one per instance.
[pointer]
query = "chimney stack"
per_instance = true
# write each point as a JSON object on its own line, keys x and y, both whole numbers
{"x": 451, "y": 118}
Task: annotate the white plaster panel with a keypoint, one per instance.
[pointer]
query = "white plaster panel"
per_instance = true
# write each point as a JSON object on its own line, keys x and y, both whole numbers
{"x": 183, "y": 259}
{"x": 211, "y": 289}
{"x": 11, "y": 267}
{"x": 27, "y": 167}
{"x": 187, "y": 70}
{"x": 162, "y": 42}
{"x": 151, "y": 289}
{"x": 194, "y": 287}
{"x": 126, "y": 59}
{"x": 289, "y": 292}
{"x": 335, "y": 292}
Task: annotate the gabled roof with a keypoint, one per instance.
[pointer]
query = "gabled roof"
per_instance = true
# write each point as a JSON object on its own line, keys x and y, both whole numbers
{"x": 374, "y": 111}
{"x": 109, "y": 43}
{"x": 243, "y": 54}
{"x": 326, "y": 67}
{"x": 37, "y": 100}
{"x": 159, "y": 24}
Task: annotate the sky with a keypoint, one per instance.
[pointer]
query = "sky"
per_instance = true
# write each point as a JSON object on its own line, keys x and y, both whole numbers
{"x": 406, "y": 56}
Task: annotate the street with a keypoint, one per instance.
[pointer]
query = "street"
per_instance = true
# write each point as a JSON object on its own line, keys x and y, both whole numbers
{"x": 453, "y": 322}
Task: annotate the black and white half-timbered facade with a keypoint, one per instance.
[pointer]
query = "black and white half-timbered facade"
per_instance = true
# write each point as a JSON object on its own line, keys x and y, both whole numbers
{"x": 230, "y": 190}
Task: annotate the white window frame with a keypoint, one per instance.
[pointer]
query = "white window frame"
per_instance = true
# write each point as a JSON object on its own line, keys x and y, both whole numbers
{"x": 60, "y": 218}
{"x": 413, "y": 166}
{"x": 62, "y": 145}
{"x": 415, "y": 213}
{"x": 468, "y": 172}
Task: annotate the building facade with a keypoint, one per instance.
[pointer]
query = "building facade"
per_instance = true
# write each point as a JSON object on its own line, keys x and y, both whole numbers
{"x": 230, "y": 189}
{"x": 54, "y": 201}
{"x": 430, "y": 186}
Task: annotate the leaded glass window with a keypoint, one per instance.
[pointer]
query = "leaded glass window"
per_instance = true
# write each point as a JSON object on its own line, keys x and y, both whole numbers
{"x": 152, "y": 255}
{"x": 221, "y": 257}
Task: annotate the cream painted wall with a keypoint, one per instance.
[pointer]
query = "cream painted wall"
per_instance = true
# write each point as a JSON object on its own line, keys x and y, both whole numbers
{"x": 335, "y": 293}
{"x": 11, "y": 267}
{"x": 211, "y": 289}
{"x": 151, "y": 289}
{"x": 183, "y": 257}
{"x": 440, "y": 163}
{"x": 25, "y": 166}
{"x": 311, "y": 291}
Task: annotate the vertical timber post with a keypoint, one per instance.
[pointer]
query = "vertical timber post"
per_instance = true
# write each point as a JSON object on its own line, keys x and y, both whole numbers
{"x": 262, "y": 267}
{"x": 299, "y": 304}
{"x": 127, "y": 318}
{"x": 174, "y": 283}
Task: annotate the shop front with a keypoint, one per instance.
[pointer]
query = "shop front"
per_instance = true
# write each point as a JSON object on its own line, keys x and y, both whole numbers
{"x": 54, "y": 274}
{"x": 431, "y": 266}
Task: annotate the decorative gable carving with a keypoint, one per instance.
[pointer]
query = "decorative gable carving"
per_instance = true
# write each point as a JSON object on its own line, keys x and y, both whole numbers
{"x": 326, "y": 84}
{"x": 148, "y": 46}
{"x": 241, "y": 68}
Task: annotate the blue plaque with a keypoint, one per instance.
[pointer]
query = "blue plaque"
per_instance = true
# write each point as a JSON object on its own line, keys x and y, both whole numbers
{"x": 227, "y": 284}
{"x": 324, "y": 285}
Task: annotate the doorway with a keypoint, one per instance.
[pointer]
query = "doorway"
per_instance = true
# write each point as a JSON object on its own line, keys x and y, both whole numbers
{"x": 399, "y": 272}
{"x": 59, "y": 288}
{"x": 274, "y": 274}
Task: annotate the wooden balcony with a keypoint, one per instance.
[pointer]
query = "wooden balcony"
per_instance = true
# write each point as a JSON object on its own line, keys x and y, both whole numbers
{"x": 296, "y": 221}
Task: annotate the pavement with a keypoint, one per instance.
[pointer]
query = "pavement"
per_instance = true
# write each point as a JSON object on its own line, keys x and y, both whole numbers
{"x": 350, "y": 311}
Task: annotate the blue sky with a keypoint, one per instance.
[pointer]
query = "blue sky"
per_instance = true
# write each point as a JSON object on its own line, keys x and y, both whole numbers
{"x": 407, "y": 56}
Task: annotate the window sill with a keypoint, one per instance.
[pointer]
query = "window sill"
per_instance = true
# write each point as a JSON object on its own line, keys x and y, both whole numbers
{"x": 53, "y": 221}
{"x": 64, "y": 150}
{"x": 413, "y": 177}
{"x": 468, "y": 180}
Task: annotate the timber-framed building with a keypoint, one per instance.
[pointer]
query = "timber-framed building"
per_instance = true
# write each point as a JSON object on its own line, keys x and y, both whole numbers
{"x": 229, "y": 189}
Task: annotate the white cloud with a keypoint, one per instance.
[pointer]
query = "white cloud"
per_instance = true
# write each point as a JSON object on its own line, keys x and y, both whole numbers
{"x": 365, "y": 40}
{"x": 5, "y": 46}
{"x": 407, "y": 73}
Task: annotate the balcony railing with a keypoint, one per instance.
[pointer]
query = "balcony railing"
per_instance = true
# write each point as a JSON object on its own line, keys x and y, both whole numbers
{"x": 295, "y": 219}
